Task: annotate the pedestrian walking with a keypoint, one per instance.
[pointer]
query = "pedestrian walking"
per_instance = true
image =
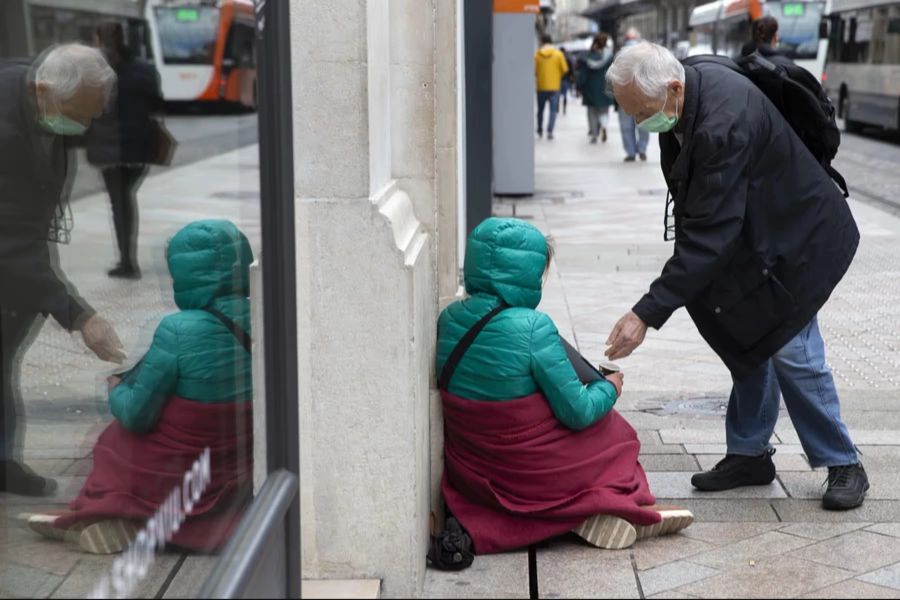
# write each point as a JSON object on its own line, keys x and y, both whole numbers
{"x": 549, "y": 68}
{"x": 634, "y": 139}
{"x": 567, "y": 84}
{"x": 43, "y": 105}
{"x": 125, "y": 139}
{"x": 592, "y": 86}
{"x": 762, "y": 237}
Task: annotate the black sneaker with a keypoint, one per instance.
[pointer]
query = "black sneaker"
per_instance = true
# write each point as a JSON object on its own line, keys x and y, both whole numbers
{"x": 17, "y": 478}
{"x": 125, "y": 272}
{"x": 735, "y": 471}
{"x": 629, "y": 159}
{"x": 847, "y": 487}
{"x": 643, "y": 157}
{"x": 549, "y": 135}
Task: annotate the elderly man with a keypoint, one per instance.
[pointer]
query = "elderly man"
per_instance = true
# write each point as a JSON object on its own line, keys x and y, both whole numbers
{"x": 40, "y": 107}
{"x": 762, "y": 238}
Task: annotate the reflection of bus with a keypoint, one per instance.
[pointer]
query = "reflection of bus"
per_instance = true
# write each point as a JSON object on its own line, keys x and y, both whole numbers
{"x": 863, "y": 73}
{"x": 204, "y": 50}
{"x": 723, "y": 27}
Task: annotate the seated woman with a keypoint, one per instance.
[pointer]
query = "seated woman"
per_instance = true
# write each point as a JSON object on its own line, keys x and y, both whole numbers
{"x": 531, "y": 452}
{"x": 190, "y": 392}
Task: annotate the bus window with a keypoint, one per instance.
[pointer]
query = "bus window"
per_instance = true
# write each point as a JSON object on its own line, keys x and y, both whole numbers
{"x": 798, "y": 27}
{"x": 188, "y": 34}
{"x": 240, "y": 49}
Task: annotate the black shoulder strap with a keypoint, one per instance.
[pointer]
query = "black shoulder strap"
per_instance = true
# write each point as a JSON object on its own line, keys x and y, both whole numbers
{"x": 242, "y": 336}
{"x": 463, "y": 345}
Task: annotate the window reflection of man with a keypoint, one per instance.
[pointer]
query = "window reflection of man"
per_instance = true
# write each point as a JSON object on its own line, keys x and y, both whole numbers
{"x": 41, "y": 106}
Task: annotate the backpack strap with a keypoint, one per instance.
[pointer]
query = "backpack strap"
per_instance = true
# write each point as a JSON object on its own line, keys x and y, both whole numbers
{"x": 838, "y": 179}
{"x": 463, "y": 345}
{"x": 236, "y": 330}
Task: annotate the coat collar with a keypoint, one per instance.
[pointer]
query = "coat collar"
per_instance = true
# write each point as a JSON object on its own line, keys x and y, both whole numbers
{"x": 679, "y": 168}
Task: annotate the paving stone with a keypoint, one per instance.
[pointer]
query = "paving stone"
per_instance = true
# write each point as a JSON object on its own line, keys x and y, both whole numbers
{"x": 191, "y": 576}
{"x": 673, "y": 594}
{"x": 694, "y": 436}
{"x": 775, "y": 577}
{"x": 90, "y": 570}
{"x": 891, "y": 529}
{"x": 662, "y": 449}
{"x": 886, "y": 577}
{"x": 750, "y": 550}
{"x": 726, "y": 510}
{"x": 672, "y": 575}
{"x": 490, "y": 576}
{"x": 669, "y": 462}
{"x": 821, "y": 531}
{"x": 575, "y": 570}
{"x": 659, "y": 551}
{"x": 17, "y": 581}
{"x": 853, "y": 588}
{"x": 350, "y": 589}
{"x": 678, "y": 485}
{"x": 722, "y": 534}
{"x": 722, "y": 449}
{"x": 858, "y": 551}
{"x": 873, "y": 511}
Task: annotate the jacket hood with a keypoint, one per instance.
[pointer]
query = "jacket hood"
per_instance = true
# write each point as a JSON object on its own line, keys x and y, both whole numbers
{"x": 209, "y": 259}
{"x": 598, "y": 60}
{"x": 506, "y": 258}
{"x": 547, "y": 51}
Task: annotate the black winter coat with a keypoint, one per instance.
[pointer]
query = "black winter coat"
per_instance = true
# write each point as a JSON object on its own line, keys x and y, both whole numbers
{"x": 34, "y": 171}
{"x": 126, "y": 133}
{"x": 763, "y": 235}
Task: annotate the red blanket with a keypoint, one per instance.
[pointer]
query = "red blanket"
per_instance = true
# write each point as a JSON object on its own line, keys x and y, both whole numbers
{"x": 514, "y": 475}
{"x": 133, "y": 474}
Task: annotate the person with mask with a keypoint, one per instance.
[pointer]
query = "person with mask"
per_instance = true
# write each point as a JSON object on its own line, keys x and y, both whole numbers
{"x": 125, "y": 139}
{"x": 42, "y": 107}
{"x": 634, "y": 139}
{"x": 762, "y": 237}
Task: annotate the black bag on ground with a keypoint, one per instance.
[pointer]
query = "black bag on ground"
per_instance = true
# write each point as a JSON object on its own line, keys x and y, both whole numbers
{"x": 798, "y": 96}
{"x": 451, "y": 550}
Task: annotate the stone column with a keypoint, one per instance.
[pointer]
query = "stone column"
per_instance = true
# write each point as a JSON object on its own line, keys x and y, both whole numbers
{"x": 373, "y": 167}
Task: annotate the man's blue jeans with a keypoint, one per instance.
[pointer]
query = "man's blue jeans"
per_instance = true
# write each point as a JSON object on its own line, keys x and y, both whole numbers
{"x": 553, "y": 99}
{"x": 798, "y": 371}
{"x": 634, "y": 138}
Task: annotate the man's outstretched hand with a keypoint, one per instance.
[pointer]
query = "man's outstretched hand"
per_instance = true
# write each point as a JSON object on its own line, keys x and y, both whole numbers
{"x": 627, "y": 335}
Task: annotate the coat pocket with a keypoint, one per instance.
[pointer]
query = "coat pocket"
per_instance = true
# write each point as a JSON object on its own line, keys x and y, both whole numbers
{"x": 751, "y": 304}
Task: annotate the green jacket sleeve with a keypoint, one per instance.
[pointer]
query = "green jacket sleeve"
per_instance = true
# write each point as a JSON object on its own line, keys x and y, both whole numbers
{"x": 576, "y": 405}
{"x": 138, "y": 400}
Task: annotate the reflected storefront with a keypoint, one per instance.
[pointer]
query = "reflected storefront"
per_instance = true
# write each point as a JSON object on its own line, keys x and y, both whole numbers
{"x": 147, "y": 303}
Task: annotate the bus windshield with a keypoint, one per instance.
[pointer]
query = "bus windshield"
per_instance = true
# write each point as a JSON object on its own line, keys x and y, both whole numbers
{"x": 798, "y": 27}
{"x": 188, "y": 34}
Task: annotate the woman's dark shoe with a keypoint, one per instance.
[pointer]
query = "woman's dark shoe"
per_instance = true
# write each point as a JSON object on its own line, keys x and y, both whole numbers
{"x": 629, "y": 159}
{"x": 125, "y": 272}
{"x": 735, "y": 471}
{"x": 847, "y": 487}
{"x": 603, "y": 134}
{"x": 643, "y": 157}
{"x": 16, "y": 478}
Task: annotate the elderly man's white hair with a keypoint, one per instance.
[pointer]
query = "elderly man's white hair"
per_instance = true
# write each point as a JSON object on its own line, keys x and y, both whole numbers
{"x": 650, "y": 66}
{"x": 65, "y": 69}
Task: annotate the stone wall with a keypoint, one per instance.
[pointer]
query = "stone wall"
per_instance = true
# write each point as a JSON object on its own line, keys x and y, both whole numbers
{"x": 375, "y": 148}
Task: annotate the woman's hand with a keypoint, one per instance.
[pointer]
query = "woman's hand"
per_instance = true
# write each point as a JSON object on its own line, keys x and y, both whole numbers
{"x": 618, "y": 380}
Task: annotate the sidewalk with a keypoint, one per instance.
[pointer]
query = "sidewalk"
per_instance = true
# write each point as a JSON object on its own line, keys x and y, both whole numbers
{"x": 63, "y": 384}
{"x": 607, "y": 219}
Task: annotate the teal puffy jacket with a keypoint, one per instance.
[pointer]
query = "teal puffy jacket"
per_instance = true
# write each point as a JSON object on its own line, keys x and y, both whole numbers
{"x": 193, "y": 354}
{"x": 519, "y": 352}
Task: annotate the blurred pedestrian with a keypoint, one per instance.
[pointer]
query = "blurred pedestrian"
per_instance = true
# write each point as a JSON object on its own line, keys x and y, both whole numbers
{"x": 765, "y": 41}
{"x": 190, "y": 392}
{"x": 568, "y": 81}
{"x": 762, "y": 237}
{"x": 43, "y": 105}
{"x": 549, "y": 69}
{"x": 634, "y": 139}
{"x": 125, "y": 139}
{"x": 593, "y": 88}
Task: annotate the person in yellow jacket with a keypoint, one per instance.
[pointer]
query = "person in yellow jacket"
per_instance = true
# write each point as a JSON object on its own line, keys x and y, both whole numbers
{"x": 549, "y": 68}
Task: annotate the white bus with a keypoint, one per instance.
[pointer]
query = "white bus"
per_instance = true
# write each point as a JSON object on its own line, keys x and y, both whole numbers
{"x": 723, "y": 27}
{"x": 863, "y": 72}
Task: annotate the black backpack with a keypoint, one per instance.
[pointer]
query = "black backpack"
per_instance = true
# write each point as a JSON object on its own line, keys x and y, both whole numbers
{"x": 798, "y": 96}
